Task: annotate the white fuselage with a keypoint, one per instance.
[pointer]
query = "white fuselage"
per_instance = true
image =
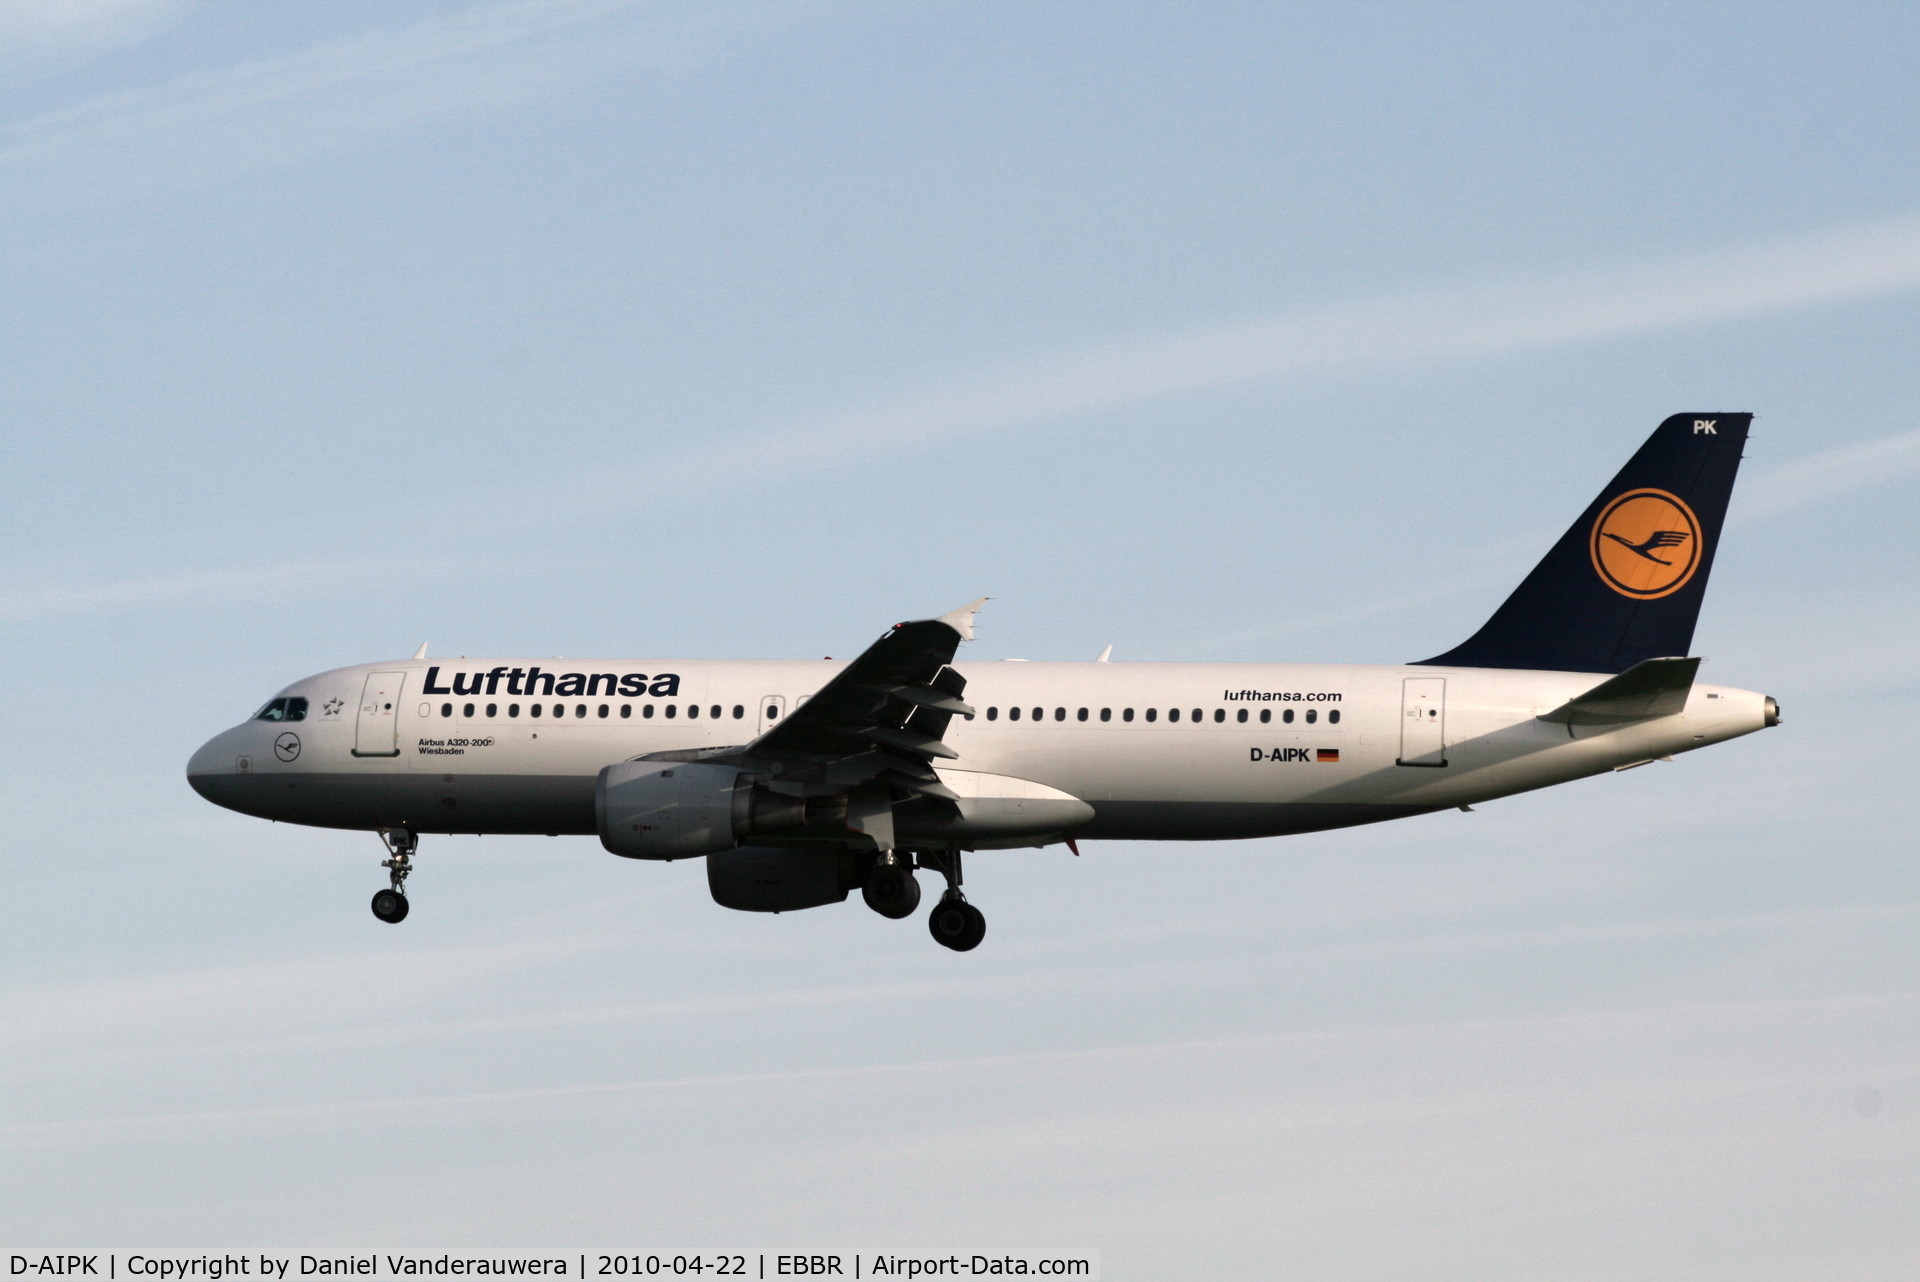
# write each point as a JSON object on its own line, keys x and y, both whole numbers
{"x": 1157, "y": 751}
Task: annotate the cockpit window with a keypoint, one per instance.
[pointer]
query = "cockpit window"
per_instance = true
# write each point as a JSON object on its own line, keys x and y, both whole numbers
{"x": 283, "y": 710}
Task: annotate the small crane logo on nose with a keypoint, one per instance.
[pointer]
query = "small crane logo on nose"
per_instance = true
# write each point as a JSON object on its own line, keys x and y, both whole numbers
{"x": 287, "y": 746}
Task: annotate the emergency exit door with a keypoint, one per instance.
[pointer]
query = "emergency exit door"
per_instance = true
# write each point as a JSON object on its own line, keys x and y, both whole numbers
{"x": 1423, "y": 721}
{"x": 376, "y": 732}
{"x": 772, "y": 708}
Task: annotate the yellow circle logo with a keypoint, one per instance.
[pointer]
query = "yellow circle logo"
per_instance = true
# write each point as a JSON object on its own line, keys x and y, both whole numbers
{"x": 1646, "y": 544}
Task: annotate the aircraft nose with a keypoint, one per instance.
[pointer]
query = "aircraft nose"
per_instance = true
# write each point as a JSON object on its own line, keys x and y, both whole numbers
{"x": 210, "y": 759}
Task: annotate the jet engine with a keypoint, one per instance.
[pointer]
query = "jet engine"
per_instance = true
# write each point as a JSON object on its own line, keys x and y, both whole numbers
{"x": 675, "y": 809}
{"x": 766, "y": 879}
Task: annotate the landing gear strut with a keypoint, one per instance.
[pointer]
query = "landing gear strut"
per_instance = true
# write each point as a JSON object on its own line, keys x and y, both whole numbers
{"x": 954, "y": 923}
{"x": 390, "y": 905}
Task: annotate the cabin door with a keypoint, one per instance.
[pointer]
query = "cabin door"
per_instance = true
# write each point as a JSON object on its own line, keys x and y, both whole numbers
{"x": 1423, "y": 721}
{"x": 376, "y": 732}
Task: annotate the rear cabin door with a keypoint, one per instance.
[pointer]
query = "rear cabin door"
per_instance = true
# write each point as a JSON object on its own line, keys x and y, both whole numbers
{"x": 376, "y": 732}
{"x": 772, "y": 708}
{"x": 1423, "y": 721}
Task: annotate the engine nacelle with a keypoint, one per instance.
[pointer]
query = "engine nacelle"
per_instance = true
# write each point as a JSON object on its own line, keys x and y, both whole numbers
{"x": 766, "y": 879}
{"x": 676, "y": 809}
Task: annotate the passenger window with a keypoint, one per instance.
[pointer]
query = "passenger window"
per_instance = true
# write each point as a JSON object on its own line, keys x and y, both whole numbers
{"x": 626, "y": 711}
{"x": 993, "y": 714}
{"x": 533, "y": 709}
{"x": 1039, "y": 714}
{"x": 1219, "y": 714}
{"x": 1173, "y": 714}
{"x": 646, "y": 710}
{"x": 492, "y": 710}
{"x": 714, "y": 712}
{"x": 773, "y": 712}
{"x": 446, "y": 709}
{"x": 1196, "y": 715}
{"x": 1241, "y": 716}
{"x": 739, "y": 711}
{"x": 467, "y": 710}
{"x": 1333, "y": 716}
{"x": 1059, "y": 714}
{"x": 1312, "y": 716}
{"x": 1152, "y": 713}
{"x": 579, "y": 709}
{"x": 1082, "y": 714}
{"x": 1127, "y": 715}
{"x": 1287, "y": 716}
{"x": 1106, "y": 714}
{"x": 1266, "y": 715}
{"x": 672, "y": 711}
{"x": 693, "y": 710}
{"x": 513, "y": 709}
{"x": 603, "y": 712}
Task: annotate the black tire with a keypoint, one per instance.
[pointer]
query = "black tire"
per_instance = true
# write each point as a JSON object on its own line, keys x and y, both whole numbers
{"x": 390, "y": 906}
{"x": 957, "y": 924}
{"x": 892, "y": 892}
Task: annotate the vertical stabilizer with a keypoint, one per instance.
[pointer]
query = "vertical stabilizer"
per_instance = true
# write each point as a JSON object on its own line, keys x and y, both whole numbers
{"x": 1624, "y": 584}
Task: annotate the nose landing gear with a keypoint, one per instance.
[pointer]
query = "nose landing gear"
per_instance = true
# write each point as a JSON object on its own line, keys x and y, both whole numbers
{"x": 391, "y": 905}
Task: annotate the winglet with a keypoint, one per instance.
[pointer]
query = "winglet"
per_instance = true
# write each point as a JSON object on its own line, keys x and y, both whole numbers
{"x": 961, "y": 620}
{"x": 421, "y": 653}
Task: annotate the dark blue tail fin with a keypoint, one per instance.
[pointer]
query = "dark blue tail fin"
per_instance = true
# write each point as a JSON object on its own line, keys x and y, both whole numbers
{"x": 1624, "y": 584}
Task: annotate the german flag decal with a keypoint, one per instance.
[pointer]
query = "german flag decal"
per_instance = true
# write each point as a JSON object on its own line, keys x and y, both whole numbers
{"x": 1326, "y": 754}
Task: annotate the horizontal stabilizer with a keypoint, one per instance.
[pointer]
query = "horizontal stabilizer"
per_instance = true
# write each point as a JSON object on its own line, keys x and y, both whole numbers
{"x": 1650, "y": 688}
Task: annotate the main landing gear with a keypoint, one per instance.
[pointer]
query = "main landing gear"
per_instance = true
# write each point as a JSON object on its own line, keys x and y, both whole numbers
{"x": 891, "y": 889}
{"x": 954, "y": 923}
{"x": 390, "y": 905}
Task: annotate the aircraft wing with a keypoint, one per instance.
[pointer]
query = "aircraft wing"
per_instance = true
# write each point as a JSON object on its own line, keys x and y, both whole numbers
{"x": 880, "y": 720}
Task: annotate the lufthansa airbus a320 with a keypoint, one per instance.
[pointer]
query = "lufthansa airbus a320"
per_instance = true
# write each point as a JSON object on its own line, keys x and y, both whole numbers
{"x": 800, "y": 782}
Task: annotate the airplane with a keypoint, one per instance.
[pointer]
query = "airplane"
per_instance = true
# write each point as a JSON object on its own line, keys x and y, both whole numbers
{"x": 802, "y": 781}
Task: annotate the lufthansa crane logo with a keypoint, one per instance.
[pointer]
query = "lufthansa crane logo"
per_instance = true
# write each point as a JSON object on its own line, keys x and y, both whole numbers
{"x": 287, "y": 746}
{"x": 1646, "y": 544}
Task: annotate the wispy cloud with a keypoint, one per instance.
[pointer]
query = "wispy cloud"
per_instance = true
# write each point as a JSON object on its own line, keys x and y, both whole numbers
{"x": 352, "y": 89}
{"x": 39, "y": 27}
{"x": 259, "y": 583}
{"x": 1386, "y": 335}
{"x": 1818, "y": 478}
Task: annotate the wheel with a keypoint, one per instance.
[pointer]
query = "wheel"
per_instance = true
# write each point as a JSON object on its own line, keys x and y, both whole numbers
{"x": 390, "y": 906}
{"x": 957, "y": 924}
{"x": 892, "y": 892}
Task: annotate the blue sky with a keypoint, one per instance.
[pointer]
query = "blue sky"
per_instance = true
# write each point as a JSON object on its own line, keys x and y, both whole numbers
{"x": 1215, "y": 332}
